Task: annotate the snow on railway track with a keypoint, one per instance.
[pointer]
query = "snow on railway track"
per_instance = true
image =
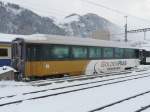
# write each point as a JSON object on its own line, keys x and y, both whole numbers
{"x": 68, "y": 89}
{"x": 71, "y": 85}
{"x": 129, "y": 100}
{"x": 79, "y": 78}
{"x": 96, "y": 79}
{"x": 130, "y": 95}
{"x": 144, "y": 108}
{"x": 15, "y": 88}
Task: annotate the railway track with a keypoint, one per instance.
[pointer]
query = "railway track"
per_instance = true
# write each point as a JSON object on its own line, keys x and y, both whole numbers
{"x": 81, "y": 84}
{"x": 67, "y": 79}
{"x": 75, "y": 78}
{"x": 82, "y": 77}
{"x": 123, "y": 100}
{"x": 117, "y": 76}
{"x": 74, "y": 88}
{"x": 70, "y": 79}
{"x": 143, "y": 108}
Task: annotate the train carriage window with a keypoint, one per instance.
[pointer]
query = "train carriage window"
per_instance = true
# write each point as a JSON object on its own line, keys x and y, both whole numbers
{"x": 94, "y": 52}
{"x": 130, "y": 53}
{"x": 3, "y": 52}
{"x": 108, "y": 53}
{"x": 79, "y": 52}
{"x": 119, "y": 53}
{"x": 60, "y": 52}
{"x": 34, "y": 52}
{"x": 147, "y": 53}
{"x": 47, "y": 52}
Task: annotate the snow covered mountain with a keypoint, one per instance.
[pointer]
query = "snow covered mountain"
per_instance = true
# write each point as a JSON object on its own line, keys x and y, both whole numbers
{"x": 17, "y": 20}
{"x": 85, "y": 25}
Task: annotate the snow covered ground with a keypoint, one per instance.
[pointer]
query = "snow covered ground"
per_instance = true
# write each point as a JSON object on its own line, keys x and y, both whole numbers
{"x": 79, "y": 101}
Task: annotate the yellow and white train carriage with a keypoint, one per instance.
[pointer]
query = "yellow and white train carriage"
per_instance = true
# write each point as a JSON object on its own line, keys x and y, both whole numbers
{"x": 40, "y": 56}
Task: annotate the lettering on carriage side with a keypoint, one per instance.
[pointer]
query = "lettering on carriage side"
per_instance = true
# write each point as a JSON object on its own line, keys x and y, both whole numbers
{"x": 113, "y": 63}
{"x": 113, "y": 68}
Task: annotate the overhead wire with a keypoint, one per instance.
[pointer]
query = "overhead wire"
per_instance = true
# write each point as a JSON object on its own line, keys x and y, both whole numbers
{"x": 118, "y": 12}
{"x": 115, "y": 10}
{"x": 58, "y": 12}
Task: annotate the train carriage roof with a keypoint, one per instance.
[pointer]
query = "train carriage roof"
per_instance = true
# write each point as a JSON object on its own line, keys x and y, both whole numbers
{"x": 67, "y": 40}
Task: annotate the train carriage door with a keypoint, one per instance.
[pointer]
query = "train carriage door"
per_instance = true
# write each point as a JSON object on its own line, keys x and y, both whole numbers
{"x": 18, "y": 57}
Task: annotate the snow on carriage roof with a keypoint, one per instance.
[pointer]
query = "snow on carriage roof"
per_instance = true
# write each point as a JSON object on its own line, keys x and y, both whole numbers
{"x": 7, "y": 38}
{"x": 57, "y": 39}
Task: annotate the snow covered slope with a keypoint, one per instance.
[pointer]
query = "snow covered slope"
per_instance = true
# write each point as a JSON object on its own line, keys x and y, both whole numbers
{"x": 85, "y": 25}
{"x": 17, "y": 20}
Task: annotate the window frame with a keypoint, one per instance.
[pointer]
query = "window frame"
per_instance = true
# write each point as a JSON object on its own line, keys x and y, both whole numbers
{"x": 7, "y": 52}
{"x": 70, "y": 52}
{"x": 112, "y": 52}
{"x": 126, "y": 56}
{"x": 63, "y": 58}
{"x": 44, "y": 58}
{"x": 81, "y": 58}
{"x": 122, "y": 57}
{"x": 100, "y": 57}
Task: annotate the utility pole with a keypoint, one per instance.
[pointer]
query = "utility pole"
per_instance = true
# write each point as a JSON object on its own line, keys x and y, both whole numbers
{"x": 126, "y": 28}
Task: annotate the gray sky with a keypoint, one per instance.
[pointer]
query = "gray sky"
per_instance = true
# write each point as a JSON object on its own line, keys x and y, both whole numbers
{"x": 62, "y": 8}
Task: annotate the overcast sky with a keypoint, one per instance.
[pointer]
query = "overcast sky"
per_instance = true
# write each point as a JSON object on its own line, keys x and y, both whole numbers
{"x": 62, "y": 8}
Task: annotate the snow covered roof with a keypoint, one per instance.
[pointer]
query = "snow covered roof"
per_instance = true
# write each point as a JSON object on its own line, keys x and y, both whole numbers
{"x": 6, "y": 38}
{"x": 55, "y": 39}
{"x": 5, "y": 69}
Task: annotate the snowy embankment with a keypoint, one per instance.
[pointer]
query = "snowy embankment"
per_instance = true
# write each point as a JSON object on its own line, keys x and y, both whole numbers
{"x": 81, "y": 101}
{"x": 5, "y": 69}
